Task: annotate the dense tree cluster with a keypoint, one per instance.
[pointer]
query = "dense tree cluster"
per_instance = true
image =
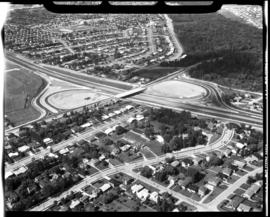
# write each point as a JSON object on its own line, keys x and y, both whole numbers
{"x": 182, "y": 123}
{"x": 236, "y": 53}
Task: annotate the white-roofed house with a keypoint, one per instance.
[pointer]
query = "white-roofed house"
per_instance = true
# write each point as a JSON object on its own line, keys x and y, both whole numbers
{"x": 135, "y": 188}
{"x": 139, "y": 117}
{"x": 14, "y": 154}
{"x": 48, "y": 141}
{"x": 86, "y": 125}
{"x": 109, "y": 131}
{"x": 20, "y": 170}
{"x": 105, "y": 187}
{"x": 143, "y": 194}
{"x": 74, "y": 203}
{"x": 154, "y": 196}
{"x": 64, "y": 151}
{"x": 8, "y": 174}
{"x": 243, "y": 208}
{"x": 23, "y": 148}
{"x": 240, "y": 145}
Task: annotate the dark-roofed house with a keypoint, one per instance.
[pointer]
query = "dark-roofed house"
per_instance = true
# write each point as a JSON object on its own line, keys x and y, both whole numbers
{"x": 202, "y": 191}
{"x": 184, "y": 183}
{"x": 192, "y": 188}
{"x": 215, "y": 181}
{"x": 236, "y": 200}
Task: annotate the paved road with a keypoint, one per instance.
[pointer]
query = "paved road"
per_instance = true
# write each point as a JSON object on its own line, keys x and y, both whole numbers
{"x": 213, "y": 204}
{"x": 152, "y": 100}
{"x": 225, "y": 138}
{"x": 90, "y": 132}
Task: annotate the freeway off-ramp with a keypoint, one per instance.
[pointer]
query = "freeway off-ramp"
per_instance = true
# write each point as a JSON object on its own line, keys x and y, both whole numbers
{"x": 225, "y": 138}
{"x": 146, "y": 98}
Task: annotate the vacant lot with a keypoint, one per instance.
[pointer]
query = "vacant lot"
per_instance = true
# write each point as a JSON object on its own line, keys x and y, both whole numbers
{"x": 21, "y": 87}
{"x": 154, "y": 72}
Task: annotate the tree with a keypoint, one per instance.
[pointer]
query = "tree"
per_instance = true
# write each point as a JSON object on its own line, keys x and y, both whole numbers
{"x": 120, "y": 130}
{"x": 147, "y": 172}
{"x": 250, "y": 180}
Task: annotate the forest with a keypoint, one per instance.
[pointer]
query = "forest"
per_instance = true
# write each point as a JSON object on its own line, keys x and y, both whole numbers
{"x": 235, "y": 48}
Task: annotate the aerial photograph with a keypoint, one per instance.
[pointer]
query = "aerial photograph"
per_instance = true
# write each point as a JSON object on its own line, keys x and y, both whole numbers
{"x": 134, "y": 112}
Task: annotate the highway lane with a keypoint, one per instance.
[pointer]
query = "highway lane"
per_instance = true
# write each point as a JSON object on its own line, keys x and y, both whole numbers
{"x": 209, "y": 111}
{"x": 196, "y": 109}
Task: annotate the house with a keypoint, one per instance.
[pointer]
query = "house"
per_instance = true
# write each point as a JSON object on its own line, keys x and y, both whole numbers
{"x": 184, "y": 183}
{"x": 253, "y": 189}
{"x": 23, "y": 148}
{"x": 186, "y": 162}
{"x": 105, "y": 187}
{"x": 115, "y": 151}
{"x": 12, "y": 155}
{"x": 192, "y": 188}
{"x": 197, "y": 160}
{"x": 227, "y": 171}
{"x": 64, "y": 151}
{"x": 135, "y": 188}
{"x": 8, "y": 174}
{"x": 84, "y": 198}
{"x": 125, "y": 147}
{"x": 228, "y": 152}
{"x": 154, "y": 196}
{"x": 139, "y": 117}
{"x": 74, "y": 203}
{"x": 131, "y": 119}
{"x": 102, "y": 157}
{"x": 215, "y": 181}
{"x": 210, "y": 187}
{"x": 236, "y": 200}
{"x": 48, "y": 141}
{"x": 202, "y": 191}
{"x": 20, "y": 170}
{"x": 109, "y": 131}
{"x": 240, "y": 164}
{"x": 143, "y": 194}
{"x": 243, "y": 208}
{"x": 175, "y": 163}
{"x": 86, "y": 125}
{"x": 129, "y": 107}
{"x": 240, "y": 145}
{"x": 235, "y": 150}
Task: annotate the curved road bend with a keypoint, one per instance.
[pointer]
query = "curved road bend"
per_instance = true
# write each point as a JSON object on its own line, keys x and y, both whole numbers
{"x": 224, "y": 140}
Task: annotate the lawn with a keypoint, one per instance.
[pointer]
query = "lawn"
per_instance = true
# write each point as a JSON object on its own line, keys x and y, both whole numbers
{"x": 214, "y": 138}
{"x": 149, "y": 187}
{"x": 239, "y": 191}
{"x": 154, "y": 72}
{"x": 233, "y": 179}
{"x": 20, "y": 84}
{"x": 88, "y": 189}
{"x": 245, "y": 186}
{"x": 125, "y": 157}
{"x": 112, "y": 83}
{"x": 215, "y": 193}
{"x": 147, "y": 154}
{"x": 155, "y": 147}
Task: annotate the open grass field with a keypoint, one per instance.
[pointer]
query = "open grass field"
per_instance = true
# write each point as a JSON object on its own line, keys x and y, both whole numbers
{"x": 71, "y": 99}
{"x": 177, "y": 89}
{"x": 154, "y": 72}
{"x": 20, "y": 88}
{"x": 102, "y": 81}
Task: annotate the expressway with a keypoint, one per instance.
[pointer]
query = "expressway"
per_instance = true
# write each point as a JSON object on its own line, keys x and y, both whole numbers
{"x": 114, "y": 89}
{"x": 226, "y": 137}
